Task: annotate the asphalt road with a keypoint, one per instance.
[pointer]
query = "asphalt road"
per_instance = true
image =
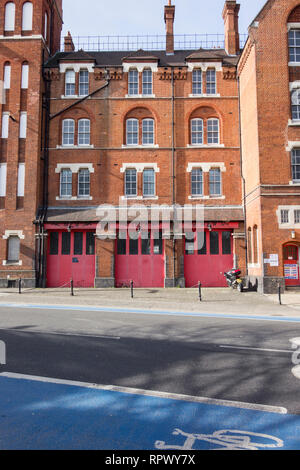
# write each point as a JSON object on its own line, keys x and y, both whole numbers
{"x": 239, "y": 360}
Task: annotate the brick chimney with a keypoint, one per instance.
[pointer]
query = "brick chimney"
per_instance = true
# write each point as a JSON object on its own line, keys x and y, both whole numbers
{"x": 231, "y": 24}
{"x": 68, "y": 43}
{"x": 169, "y": 20}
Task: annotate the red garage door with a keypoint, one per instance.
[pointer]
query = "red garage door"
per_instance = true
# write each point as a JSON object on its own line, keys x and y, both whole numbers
{"x": 207, "y": 258}
{"x": 140, "y": 261}
{"x": 71, "y": 255}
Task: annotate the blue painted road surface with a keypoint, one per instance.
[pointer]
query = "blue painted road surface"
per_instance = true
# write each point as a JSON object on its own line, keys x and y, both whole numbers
{"x": 40, "y": 414}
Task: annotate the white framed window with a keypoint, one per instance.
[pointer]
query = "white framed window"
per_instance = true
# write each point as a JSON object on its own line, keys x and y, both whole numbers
{"x": 295, "y": 163}
{"x": 10, "y": 14}
{"x": 132, "y": 132}
{"x": 297, "y": 216}
{"x": 133, "y": 82}
{"x": 84, "y": 131}
{"x": 284, "y": 216}
{"x": 294, "y": 45}
{"x": 66, "y": 183}
{"x": 130, "y": 182}
{"x": 83, "y": 82}
{"x": 148, "y": 182}
{"x": 147, "y": 85}
{"x": 215, "y": 182}
{"x": 196, "y": 131}
{"x": 13, "y": 249}
{"x": 3, "y": 171}
{"x": 68, "y": 132}
{"x": 21, "y": 180}
{"x": 197, "y": 82}
{"x": 213, "y": 131}
{"x": 83, "y": 183}
{"x": 23, "y": 125}
{"x": 197, "y": 182}
{"x": 295, "y": 103}
{"x": 7, "y": 76}
{"x": 70, "y": 80}
{"x": 5, "y": 125}
{"x": 148, "y": 132}
{"x": 46, "y": 26}
{"x": 211, "y": 85}
{"x": 25, "y": 76}
{"x": 27, "y": 15}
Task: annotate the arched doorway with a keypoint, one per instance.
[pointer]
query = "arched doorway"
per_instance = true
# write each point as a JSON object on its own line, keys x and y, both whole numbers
{"x": 291, "y": 264}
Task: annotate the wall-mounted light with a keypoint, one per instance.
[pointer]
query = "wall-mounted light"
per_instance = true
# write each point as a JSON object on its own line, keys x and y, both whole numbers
{"x": 69, "y": 228}
{"x": 293, "y": 234}
{"x": 209, "y": 227}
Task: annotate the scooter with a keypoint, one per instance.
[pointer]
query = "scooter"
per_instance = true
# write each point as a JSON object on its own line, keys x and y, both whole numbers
{"x": 233, "y": 279}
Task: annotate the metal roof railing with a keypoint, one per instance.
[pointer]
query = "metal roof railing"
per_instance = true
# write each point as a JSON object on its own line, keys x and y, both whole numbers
{"x": 150, "y": 42}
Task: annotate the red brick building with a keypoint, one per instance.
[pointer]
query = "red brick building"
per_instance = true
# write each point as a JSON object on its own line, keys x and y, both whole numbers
{"x": 156, "y": 131}
{"x": 269, "y": 75}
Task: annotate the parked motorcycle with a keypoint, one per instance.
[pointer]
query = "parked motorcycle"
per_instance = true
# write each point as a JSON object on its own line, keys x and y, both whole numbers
{"x": 233, "y": 279}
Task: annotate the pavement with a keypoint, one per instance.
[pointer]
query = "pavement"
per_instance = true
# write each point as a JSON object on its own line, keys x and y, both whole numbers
{"x": 214, "y": 300}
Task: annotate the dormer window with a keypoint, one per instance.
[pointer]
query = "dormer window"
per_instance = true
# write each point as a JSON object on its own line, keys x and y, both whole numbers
{"x": 83, "y": 82}
{"x": 133, "y": 82}
{"x": 147, "y": 82}
{"x": 211, "y": 86}
{"x": 197, "y": 82}
{"x": 70, "y": 83}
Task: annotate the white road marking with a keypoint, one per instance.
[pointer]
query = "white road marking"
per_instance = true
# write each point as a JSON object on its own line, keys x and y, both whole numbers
{"x": 151, "y": 393}
{"x": 255, "y": 349}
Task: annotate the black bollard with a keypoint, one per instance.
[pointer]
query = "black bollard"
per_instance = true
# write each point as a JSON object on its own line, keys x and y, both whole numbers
{"x": 20, "y": 286}
{"x": 72, "y": 287}
{"x": 131, "y": 288}
{"x": 200, "y": 292}
{"x": 279, "y": 294}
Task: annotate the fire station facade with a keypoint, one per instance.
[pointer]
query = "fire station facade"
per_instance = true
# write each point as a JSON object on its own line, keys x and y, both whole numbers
{"x": 143, "y": 131}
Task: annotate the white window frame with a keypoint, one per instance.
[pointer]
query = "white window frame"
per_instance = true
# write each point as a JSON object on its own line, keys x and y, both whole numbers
{"x": 147, "y": 133}
{"x": 25, "y": 76}
{"x": 27, "y": 16}
{"x": 7, "y": 76}
{"x": 215, "y": 182}
{"x": 197, "y": 181}
{"x": 195, "y": 83}
{"x": 147, "y": 85}
{"x": 211, "y": 132}
{"x": 209, "y": 83}
{"x": 295, "y": 47}
{"x": 197, "y": 132}
{"x": 151, "y": 183}
{"x": 65, "y": 183}
{"x": 5, "y": 125}
{"x": 70, "y": 80}
{"x": 10, "y": 16}
{"x": 3, "y": 179}
{"x": 85, "y": 182}
{"x": 65, "y": 124}
{"x": 133, "y": 83}
{"x": 21, "y": 180}
{"x": 23, "y": 125}
{"x": 130, "y": 182}
{"x": 131, "y": 133}
{"x": 86, "y": 134}
{"x": 85, "y": 83}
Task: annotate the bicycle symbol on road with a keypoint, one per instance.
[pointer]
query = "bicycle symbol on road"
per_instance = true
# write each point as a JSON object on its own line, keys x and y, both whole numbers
{"x": 226, "y": 439}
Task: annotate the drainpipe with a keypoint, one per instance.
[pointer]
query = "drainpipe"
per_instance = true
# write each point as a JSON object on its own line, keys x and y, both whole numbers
{"x": 173, "y": 172}
{"x": 242, "y": 176}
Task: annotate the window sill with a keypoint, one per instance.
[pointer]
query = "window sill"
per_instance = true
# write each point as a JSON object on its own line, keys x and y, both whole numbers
{"x": 139, "y": 96}
{"x": 74, "y": 198}
{"x": 206, "y": 146}
{"x": 294, "y": 64}
{"x": 205, "y": 95}
{"x": 11, "y": 263}
{"x": 191, "y": 198}
{"x": 139, "y": 198}
{"x": 154, "y": 146}
{"x": 74, "y": 147}
{"x": 294, "y": 183}
{"x": 293, "y": 123}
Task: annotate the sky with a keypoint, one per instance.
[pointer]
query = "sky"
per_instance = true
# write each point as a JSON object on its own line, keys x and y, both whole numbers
{"x": 127, "y": 17}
